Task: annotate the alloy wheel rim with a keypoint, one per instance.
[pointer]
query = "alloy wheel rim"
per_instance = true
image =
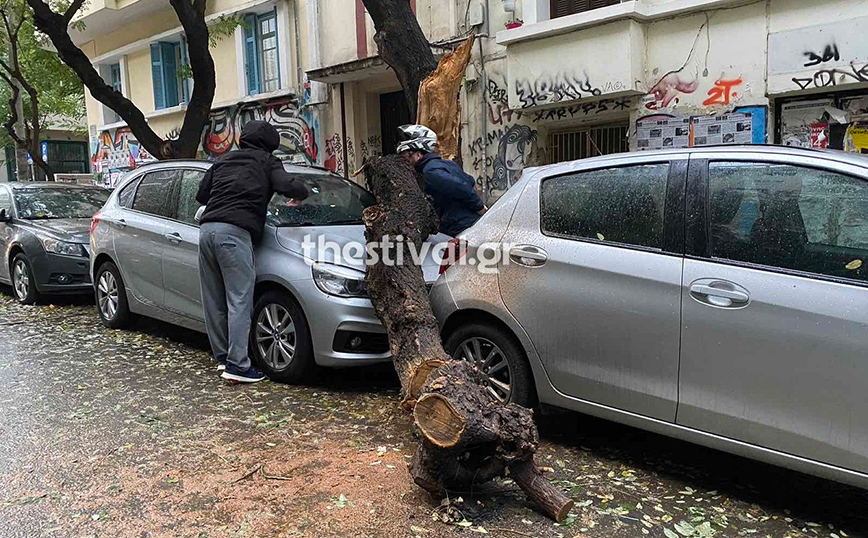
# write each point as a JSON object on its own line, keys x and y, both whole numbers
{"x": 275, "y": 337}
{"x": 108, "y": 295}
{"x": 22, "y": 280}
{"x": 489, "y": 359}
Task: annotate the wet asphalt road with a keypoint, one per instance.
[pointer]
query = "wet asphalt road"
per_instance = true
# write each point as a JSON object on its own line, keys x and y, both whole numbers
{"x": 131, "y": 433}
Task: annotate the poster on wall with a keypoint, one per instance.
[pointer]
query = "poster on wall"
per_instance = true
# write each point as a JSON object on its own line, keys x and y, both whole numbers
{"x": 798, "y": 121}
{"x": 669, "y": 132}
{"x": 856, "y": 139}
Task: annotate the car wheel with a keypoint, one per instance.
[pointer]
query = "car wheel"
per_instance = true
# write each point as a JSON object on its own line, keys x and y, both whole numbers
{"x": 280, "y": 342}
{"x": 111, "y": 297}
{"x": 499, "y": 356}
{"x": 23, "y": 283}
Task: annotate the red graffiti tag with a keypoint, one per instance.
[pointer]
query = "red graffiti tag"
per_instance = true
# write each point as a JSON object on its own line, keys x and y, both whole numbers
{"x": 722, "y": 92}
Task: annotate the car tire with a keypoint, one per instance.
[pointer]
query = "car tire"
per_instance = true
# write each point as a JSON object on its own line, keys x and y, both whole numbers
{"x": 481, "y": 339}
{"x": 23, "y": 282}
{"x": 111, "y": 297}
{"x": 282, "y": 351}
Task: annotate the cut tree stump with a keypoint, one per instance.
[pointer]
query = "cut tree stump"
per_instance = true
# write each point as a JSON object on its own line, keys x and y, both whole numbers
{"x": 467, "y": 436}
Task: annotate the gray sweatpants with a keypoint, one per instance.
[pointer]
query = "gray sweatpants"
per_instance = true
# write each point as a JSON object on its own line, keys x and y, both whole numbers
{"x": 227, "y": 277}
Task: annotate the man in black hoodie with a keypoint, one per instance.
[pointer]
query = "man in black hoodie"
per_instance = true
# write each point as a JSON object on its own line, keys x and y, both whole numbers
{"x": 236, "y": 192}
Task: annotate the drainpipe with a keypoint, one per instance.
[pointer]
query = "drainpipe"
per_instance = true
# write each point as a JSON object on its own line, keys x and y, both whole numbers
{"x": 344, "y": 132}
{"x": 299, "y": 71}
{"x": 484, "y": 111}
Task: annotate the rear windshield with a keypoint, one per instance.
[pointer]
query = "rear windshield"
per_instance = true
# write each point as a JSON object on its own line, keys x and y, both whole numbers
{"x": 59, "y": 203}
{"x": 333, "y": 200}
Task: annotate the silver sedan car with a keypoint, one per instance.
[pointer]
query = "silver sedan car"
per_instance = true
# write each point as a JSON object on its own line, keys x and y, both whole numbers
{"x": 311, "y": 305}
{"x": 717, "y": 295}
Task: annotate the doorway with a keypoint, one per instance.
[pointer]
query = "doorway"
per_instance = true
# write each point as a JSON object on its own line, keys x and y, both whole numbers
{"x": 394, "y": 113}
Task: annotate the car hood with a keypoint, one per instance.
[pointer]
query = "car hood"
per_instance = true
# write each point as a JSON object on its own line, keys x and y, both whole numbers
{"x": 72, "y": 230}
{"x": 295, "y": 238}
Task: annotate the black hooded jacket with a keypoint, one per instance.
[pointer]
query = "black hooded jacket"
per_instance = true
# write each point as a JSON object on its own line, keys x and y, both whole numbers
{"x": 238, "y": 188}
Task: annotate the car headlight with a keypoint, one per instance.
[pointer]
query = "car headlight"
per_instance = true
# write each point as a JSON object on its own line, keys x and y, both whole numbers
{"x": 339, "y": 281}
{"x": 55, "y": 246}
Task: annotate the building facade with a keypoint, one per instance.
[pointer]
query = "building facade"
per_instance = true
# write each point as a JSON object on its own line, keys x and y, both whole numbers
{"x": 549, "y": 81}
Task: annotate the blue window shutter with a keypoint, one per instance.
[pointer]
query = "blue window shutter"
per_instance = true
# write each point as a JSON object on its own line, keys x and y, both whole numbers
{"x": 170, "y": 73}
{"x": 185, "y": 61}
{"x": 157, "y": 76}
{"x": 251, "y": 55}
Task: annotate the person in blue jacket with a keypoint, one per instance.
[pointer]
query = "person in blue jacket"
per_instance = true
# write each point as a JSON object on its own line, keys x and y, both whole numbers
{"x": 451, "y": 189}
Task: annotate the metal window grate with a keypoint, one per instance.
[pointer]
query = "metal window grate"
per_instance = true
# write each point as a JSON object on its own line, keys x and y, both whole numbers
{"x": 588, "y": 142}
{"x": 562, "y": 8}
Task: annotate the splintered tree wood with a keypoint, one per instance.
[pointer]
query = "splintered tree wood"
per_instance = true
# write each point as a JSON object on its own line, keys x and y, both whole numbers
{"x": 438, "y": 99}
{"x": 468, "y": 437}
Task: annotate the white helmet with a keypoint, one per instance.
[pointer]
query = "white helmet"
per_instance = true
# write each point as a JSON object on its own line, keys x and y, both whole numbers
{"x": 416, "y": 138}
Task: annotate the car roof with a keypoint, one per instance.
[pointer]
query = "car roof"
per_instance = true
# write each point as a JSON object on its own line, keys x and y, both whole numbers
{"x": 47, "y": 185}
{"x": 855, "y": 159}
{"x": 205, "y": 163}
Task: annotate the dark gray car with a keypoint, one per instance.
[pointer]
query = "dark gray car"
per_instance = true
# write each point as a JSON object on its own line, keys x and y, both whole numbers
{"x": 44, "y": 237}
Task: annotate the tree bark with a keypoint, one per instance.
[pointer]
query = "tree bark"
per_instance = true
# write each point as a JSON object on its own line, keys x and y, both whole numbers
{"x": 468, "y": 437}
{"x": 402, "y": 45}
{"x": 191, "y": 13}
{"x": 27, "y": 140}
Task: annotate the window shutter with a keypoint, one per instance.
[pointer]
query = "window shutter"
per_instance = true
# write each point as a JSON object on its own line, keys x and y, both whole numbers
{"x": 603, "y": 3}
{"x": 562, "y": 8}
{"x": 170, "y": 74}
{"x": 251, "y": 55}
{"x": 157, "y": 76}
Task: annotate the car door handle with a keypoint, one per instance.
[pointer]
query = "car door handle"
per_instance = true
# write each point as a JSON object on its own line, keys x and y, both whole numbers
{"x": 719, "y": 293}
{"x": 121, "y": 224}
{"x": 528, "y": 255}
{"x": 174, "y": 237}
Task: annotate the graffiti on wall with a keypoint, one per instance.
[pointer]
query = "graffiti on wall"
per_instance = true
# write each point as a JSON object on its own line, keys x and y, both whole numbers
{"x": 722, "y": 92}
{"x": 334, "y": 154}
{"x": 298, "y": 129}
{"x": 823, "y": 56}
{"x": 372, "y": 147}
{"x": 115, "y": 151}
{"x": 547, "y": 90}
{"x": 513, "y": 152}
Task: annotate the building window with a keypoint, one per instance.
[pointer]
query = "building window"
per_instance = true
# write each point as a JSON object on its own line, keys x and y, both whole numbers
{"x": 562, "y": 8}
{"x": 587, "y": 142}
{"x": 169, "y": 65}
{"x": 261, "y": 56}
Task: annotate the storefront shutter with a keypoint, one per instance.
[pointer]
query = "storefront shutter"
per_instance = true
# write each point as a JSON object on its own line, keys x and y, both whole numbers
{"x": 251, "y": 55}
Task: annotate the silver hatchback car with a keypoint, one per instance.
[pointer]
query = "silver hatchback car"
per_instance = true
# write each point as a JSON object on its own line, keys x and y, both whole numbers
{"x": 717, "y": 295}
{"x": 311, "y": 305}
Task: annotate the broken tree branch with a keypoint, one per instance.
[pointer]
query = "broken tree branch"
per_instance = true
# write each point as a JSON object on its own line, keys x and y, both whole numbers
{"x": 468, "y": 437}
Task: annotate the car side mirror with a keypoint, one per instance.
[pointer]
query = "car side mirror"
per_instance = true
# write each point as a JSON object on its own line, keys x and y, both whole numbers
{"x": 4, "y": 215}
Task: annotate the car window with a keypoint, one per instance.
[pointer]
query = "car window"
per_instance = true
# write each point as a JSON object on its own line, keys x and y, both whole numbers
{"x": 621, "y": 205}
{"x": 125, "y": 197}
{"x": 187, "y": 204}
{"x": 789, "y": 217}
{"x": 43, "y": 203}
{"x": 154, "y": 195}
{"x": 332, "y": 200}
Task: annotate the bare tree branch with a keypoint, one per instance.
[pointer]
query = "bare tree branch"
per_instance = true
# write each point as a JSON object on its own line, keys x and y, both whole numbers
{"x": 72, "y": 10}
{"x": 192, "y": 17}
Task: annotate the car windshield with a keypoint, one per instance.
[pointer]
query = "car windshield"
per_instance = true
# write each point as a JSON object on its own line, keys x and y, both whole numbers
{"x": 332, "y": 201}
{"x": 59, "y": 203}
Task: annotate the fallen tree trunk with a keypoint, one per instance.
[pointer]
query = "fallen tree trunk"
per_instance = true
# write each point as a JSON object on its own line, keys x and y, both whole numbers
{"x": 467, "y": 436}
